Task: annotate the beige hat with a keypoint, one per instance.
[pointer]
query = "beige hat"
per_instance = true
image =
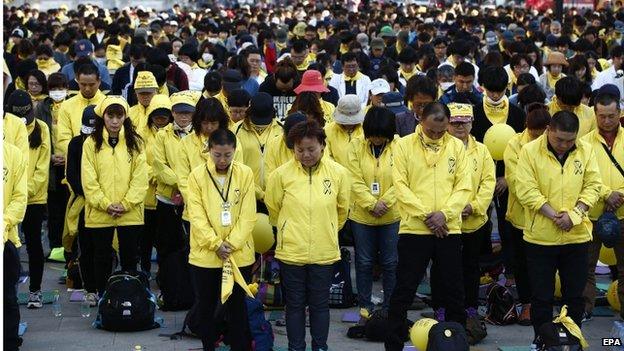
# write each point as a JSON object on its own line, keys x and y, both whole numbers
{"x": 556, "y": 58}
{"x": 145, "y": 82}
{"x": 349, "y": 110}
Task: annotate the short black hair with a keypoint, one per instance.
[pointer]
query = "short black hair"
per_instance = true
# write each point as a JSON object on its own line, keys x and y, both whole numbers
{"x": 407, "y": 56}
{"x": 569, "y": 90}
{"x": 605, "y": 99}
{"x": 379, "y": 122}
{"x": 299, "y": 46}
{"x": 138, "y": 51}
{"x": 222, "y": 136}
{"x": 530, "y": 94}
{"x": 537, "y": 117}
{"x": 565, "y": 121}
{"x": 526, "y": 79}
{"x": 212, "y": 82}
{"x": 420, "y": 85}
{"x": 210, "y": 110}
{"x": 494, "y": 78}
{"x": 465, "y": 69}
{"x": 86, "y": 68}
{"x": 348, "y": 57}
{"x": 436, "y": 107}
{"x": 617, "y": 51}
{"x": 517, "y": 59}
{"x": 239, "y": 98}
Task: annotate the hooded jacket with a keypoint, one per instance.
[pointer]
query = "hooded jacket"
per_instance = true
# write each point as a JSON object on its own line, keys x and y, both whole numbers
{"x": 15, "y": 191}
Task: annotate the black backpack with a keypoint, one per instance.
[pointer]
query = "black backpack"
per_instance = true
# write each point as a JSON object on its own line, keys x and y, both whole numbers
{"x": 501, "y": 306}
{"x": 447, "y": 336}
{"x": 127, "y": 304}
{"x": 174, "y": 280}
{"x": 555, "y": 337}
{"x": 341, "y": 291}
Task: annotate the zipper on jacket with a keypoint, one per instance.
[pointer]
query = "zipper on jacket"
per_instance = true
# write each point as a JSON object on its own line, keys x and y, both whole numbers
{"x": 310, "y": 214}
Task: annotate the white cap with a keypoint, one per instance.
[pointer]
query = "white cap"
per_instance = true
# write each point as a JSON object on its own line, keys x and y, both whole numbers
{"x": 379, "y": 86}
{"x": 173, "y": 23}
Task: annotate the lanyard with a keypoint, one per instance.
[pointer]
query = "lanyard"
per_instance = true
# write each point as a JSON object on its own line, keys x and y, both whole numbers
{"x": 377, "y": 158}
{"x": 227, "y": 192}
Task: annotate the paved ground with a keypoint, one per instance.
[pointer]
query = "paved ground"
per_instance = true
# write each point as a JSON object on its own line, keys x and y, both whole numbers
{"x": 73, "y": 332}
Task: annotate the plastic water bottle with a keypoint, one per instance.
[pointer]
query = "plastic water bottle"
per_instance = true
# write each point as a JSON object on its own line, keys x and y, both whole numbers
{"x": 85, "y": 308}
{"x": 56, "y": 304}
{"x": 138, "y": 348}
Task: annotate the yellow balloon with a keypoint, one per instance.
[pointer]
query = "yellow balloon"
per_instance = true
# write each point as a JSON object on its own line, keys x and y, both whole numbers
{"x": 496, "y": 139}
{"x": 419, "y": 334}
{"x": 612, "y": 296}
{"x": 607, "y": 256}
{"x": 557, "y": 285}
{"x": 262, "y": 234}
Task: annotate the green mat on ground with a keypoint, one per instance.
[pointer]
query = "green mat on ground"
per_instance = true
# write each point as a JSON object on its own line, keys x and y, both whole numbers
{"x": 57, "y": 254}
{"x": 602, "y": 286}
{"x": 48, "y": 297}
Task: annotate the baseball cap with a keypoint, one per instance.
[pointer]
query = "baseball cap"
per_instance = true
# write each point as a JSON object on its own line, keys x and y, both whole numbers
{"x": 83, "y": 48}
{"x": 379, "y": 86}
{"x": 182, "y": 102}
{"x": 88, "y": 120}
{"x": 610, "y": 89}
{"x": 393, "y": 101}
{"x": 145, "y": 82}
{"x": 491, "y": 38}
{"x": 461, "y": 113}
{"x": 20, "y": 104}
{"x": 377, "y": 43}
{"x": 261, "y": 109}
{"x": 232, "y": 79}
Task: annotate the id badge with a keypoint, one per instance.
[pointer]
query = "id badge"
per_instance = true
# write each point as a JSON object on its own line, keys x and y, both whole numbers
{"x": 226, "y": 218}
{"x": 375, "y": 188}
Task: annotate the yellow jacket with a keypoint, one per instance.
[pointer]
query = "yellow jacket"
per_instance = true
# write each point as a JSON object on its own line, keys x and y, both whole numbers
{"x": 111, "y": 175}
{"x": 276, "y": 153}
{"x": 167, "y": 161}
{"x": 328, "y": 111}
{"x": 138, "y": 115}
{"x": 481, "y": 168}
{"x": 149, "y": 135}
{"x": 541, "y": 179}
{"x": 426, "y": 181}
{"x": 366, "y": 170}
{"x": 253, "y": 146}
{"x": 338, "y": 141}
{"x": 612, "y": 180}
{"x": 15, "y": 133}
{"x": 515, "y": 210}
{"x": 70, "y": 119}
{"x": 194, "y": 153}
{"x": 15, "y": 191}
{"x": 204, "y": 205}
{"x": 585, "y": 114}
{"x": 39, "y": 166}
{"x": 308, "y": 207}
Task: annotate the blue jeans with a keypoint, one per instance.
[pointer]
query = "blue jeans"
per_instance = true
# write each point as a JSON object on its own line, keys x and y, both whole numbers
{"x": 302, "y": 286}
{"x": 370, "y": 240}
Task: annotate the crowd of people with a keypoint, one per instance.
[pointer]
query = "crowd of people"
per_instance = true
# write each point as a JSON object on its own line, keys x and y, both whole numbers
{"x": 334, "y": 119}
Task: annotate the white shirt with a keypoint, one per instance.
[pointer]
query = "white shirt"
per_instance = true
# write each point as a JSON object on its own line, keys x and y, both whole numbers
{"x": 362, "y": 86}
{"x": 608, "y": 76}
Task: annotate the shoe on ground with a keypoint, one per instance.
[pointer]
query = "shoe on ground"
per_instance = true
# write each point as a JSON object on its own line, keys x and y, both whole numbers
{"x": 35, "y": 300}
{"x": 429, "y": 314}
{"x": 92, "y": 298}
{"x": 587, "y": 316}
{"x": 418, "y": 305}
{"x": 524, "y": 317}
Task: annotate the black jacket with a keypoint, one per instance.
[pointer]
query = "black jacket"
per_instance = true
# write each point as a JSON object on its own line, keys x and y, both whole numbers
{"x": 120, "y": 79}
{"x": 74, "y": 163}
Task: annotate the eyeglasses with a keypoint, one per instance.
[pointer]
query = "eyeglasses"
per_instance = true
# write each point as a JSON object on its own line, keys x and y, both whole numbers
{"x": 34, "y": 84}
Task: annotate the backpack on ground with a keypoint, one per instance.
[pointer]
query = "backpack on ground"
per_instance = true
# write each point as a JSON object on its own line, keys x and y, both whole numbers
{"x": 555, "y": 337}
{"x": 475, "y": 330}
{"x": 267, "y": 275}
{"x": 174, "y": 280}
{"x": 341, "y": 291}
{"x": 127, "y": 304}
{"x": 501, "y": 306}
{"x": 447, "y": 336}
{"x": 260, "y": 329}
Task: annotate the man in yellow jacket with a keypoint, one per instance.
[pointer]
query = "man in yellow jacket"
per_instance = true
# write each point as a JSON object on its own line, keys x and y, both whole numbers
{"x": 558, "y": 181}
{"x": 14, "y": 199}
{"x": 609, "y": 135}
{"x": 432, "y": 183}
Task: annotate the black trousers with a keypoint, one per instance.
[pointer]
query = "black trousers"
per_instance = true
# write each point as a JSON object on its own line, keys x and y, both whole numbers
{"x": 169, "y": 232}
{"x": 415, "y": 252}
{"x": 207, "y": 285}
{"x": 57, "y": 203}
{"x": 146, "y": 240}
{"x": 102, "y": 239}
{"x": 87, "y": 256}
{"x": 521, "y": 273}
{"x": 34, "y": 247}
{"x": 543, "y": 261}
{"x": 11, "y": 317}
{"x": 504, "y": 230}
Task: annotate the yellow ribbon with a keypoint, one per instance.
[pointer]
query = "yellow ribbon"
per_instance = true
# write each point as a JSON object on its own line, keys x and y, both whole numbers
{"x": 230, "y": 275}
{"x": 569, "y": 324}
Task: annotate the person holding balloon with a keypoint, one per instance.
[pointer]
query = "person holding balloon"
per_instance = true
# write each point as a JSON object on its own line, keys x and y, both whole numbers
{"x": 495, "y": 110}
{"x": 607, "y": 142}
{"x": 558, "y": 181}
{"x": 221, "y": 203}
{"x": 537, "y": 121}
{"x": 308, "y": 202}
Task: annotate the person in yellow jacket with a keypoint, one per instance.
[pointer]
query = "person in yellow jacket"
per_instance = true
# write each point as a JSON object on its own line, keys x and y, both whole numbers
{"x": 476, "y": 226}
{"x": 253, "y": 133}
{"x": 158, "y": 116}
{"x": 145, "y": 87}
{"x": 209, "y": 116}
{"x": 558, "y": 181}
{"x": 374, "y": 217}
{"x": 114, "y": 180}
{"x": 222, "y": 209}
{"x": 537, "y": 120}
{"x": 432, "y": 184}
{"x": 609, "y": 134}
{"x": 308, "y": 202}
{"x": 17, "y": 107}
{"x": 38, "y": 177}
{"x": 278, "y": 151}
{"x": 15, "y": 197}
{"x": 347, "y": 126}
{"x": 70, "y": 112}
{"x": 568, "y": 95}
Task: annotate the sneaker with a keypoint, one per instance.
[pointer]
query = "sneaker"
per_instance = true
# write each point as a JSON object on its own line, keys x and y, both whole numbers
{"x": 587, "y": 316}
{"x": 524, "y": 317}
{"x": 35, "y": 300}
{"x": 92, "y": 298}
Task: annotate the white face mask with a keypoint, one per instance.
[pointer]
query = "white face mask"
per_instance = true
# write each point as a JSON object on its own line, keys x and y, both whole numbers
{"x": 101, "y": 60}
{"x": 213, "y": 40}
{"x": 58, "y": 95}
{"x": 446, "y": 85}
{"x": 450, "y": 22}
{"x": 494, "y": 102}
{"x": 539, "y": 44}
{"x": 207, "y": 57}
